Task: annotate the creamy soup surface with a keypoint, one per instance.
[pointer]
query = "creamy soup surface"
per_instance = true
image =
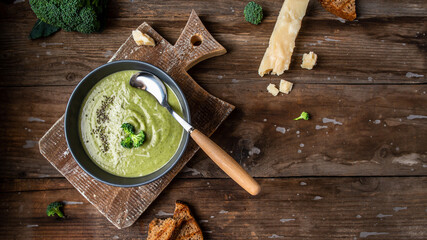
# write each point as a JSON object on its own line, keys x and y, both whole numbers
{"x": 112, "y": 102}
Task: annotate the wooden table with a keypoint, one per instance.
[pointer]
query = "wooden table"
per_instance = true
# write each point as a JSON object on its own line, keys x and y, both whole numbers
{"x": 356, "y": 170}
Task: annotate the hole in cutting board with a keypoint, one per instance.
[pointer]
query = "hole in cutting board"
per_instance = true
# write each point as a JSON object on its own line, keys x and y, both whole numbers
{"x": 196, "y": 40}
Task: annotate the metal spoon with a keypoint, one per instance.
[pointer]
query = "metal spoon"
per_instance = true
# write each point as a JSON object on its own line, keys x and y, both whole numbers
{"x": 149, "y": 82}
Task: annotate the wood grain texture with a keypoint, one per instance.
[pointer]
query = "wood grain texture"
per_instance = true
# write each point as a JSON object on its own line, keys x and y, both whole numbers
{"x": 361, "y": 77}
{"x": 299, "y": 208}
{"x": 354, "y": 130}
{"x": 379, "y": 49}
{"x": 362, "y": 145}
{"x": 225, "y": 9}
{"x": 123, "y": 206}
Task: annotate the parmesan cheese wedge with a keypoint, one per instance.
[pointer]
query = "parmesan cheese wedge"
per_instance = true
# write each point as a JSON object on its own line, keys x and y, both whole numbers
{"x": 285, "y": 86}
{"x": 271, "y": 88}
{"x": 142, "y": 38}
{"x": 278, "y": 55}
{"x": 309, "y": 60}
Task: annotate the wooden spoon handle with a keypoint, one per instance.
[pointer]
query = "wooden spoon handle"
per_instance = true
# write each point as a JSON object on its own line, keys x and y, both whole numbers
{"x": 226, "y": 163}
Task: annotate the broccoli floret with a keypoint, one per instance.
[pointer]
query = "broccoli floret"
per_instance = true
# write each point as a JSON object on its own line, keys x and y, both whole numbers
{"x": 55, "y": 208}
{"x": 138, "y": 139}
{"x": 128, "y": 128}
{"x": 71, "y": 15}
{"x": 253, "y": 13}
{"x": 127, "y": 142}
{"x": 89, "y": 22}
{"x": 304, "y": 115}
{"x": 132, "y": 139}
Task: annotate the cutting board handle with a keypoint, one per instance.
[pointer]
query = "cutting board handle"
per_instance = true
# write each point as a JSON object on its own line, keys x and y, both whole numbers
{"x": 196, "y": 44}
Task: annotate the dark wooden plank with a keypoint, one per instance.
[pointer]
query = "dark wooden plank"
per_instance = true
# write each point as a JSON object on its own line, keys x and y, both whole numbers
{"x": 229, "y": 10}
{"x": 301, "y": 208}
{"x": 370, "y": 51}
{"x": 366, "y": 52}
{"x": 379, "y": 130}
{"x": 375, "y": 138}
{"x": 351, "y": 208}
{"x": 9, "y": 185}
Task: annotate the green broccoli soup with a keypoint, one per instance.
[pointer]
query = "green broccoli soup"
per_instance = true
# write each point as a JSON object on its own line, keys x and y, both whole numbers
{"x": 111, "y": 108}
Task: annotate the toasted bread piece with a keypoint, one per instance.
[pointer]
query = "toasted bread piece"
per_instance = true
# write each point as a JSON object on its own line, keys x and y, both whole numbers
{"x": 342, "y": 8}
{"x": 161, "y": 229}
{"x": 189, "y": 229}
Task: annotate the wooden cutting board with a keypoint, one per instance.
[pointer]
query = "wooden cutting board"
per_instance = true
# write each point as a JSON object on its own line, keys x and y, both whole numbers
{"x": 123, "y": 206}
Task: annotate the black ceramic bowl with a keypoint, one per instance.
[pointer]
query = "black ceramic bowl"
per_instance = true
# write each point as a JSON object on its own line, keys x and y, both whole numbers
{"x": 72, "y": 123}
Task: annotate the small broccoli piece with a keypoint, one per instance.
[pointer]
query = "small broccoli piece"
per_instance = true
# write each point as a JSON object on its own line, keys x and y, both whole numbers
{"x": 138, "y": 139}
{"x": 253, "y": 13}
{"x": 304, "y": 115}
{"x": 132, "y": 139}
{"x": 127, "y": 142}
{"x": 128, "y": 128}
{"x": 55, "y": 208}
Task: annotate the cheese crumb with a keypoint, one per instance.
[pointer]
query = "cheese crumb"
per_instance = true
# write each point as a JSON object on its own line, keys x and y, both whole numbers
{"x": 309, "y": 60}
{"x": 285, "y": 86}
{"x": 142, "y": 38}
{"x": 272, "y": 89}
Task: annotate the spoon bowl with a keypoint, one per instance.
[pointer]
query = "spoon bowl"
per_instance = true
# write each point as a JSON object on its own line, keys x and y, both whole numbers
{"x": 151, "y": 83}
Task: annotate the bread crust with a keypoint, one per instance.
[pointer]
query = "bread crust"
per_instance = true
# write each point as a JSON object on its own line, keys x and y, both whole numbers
{"x": 189, "y": 229}
{"x": 161, "y": 229}
{"x": 345, "y": 9}
{"x": 182, "y": 226}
